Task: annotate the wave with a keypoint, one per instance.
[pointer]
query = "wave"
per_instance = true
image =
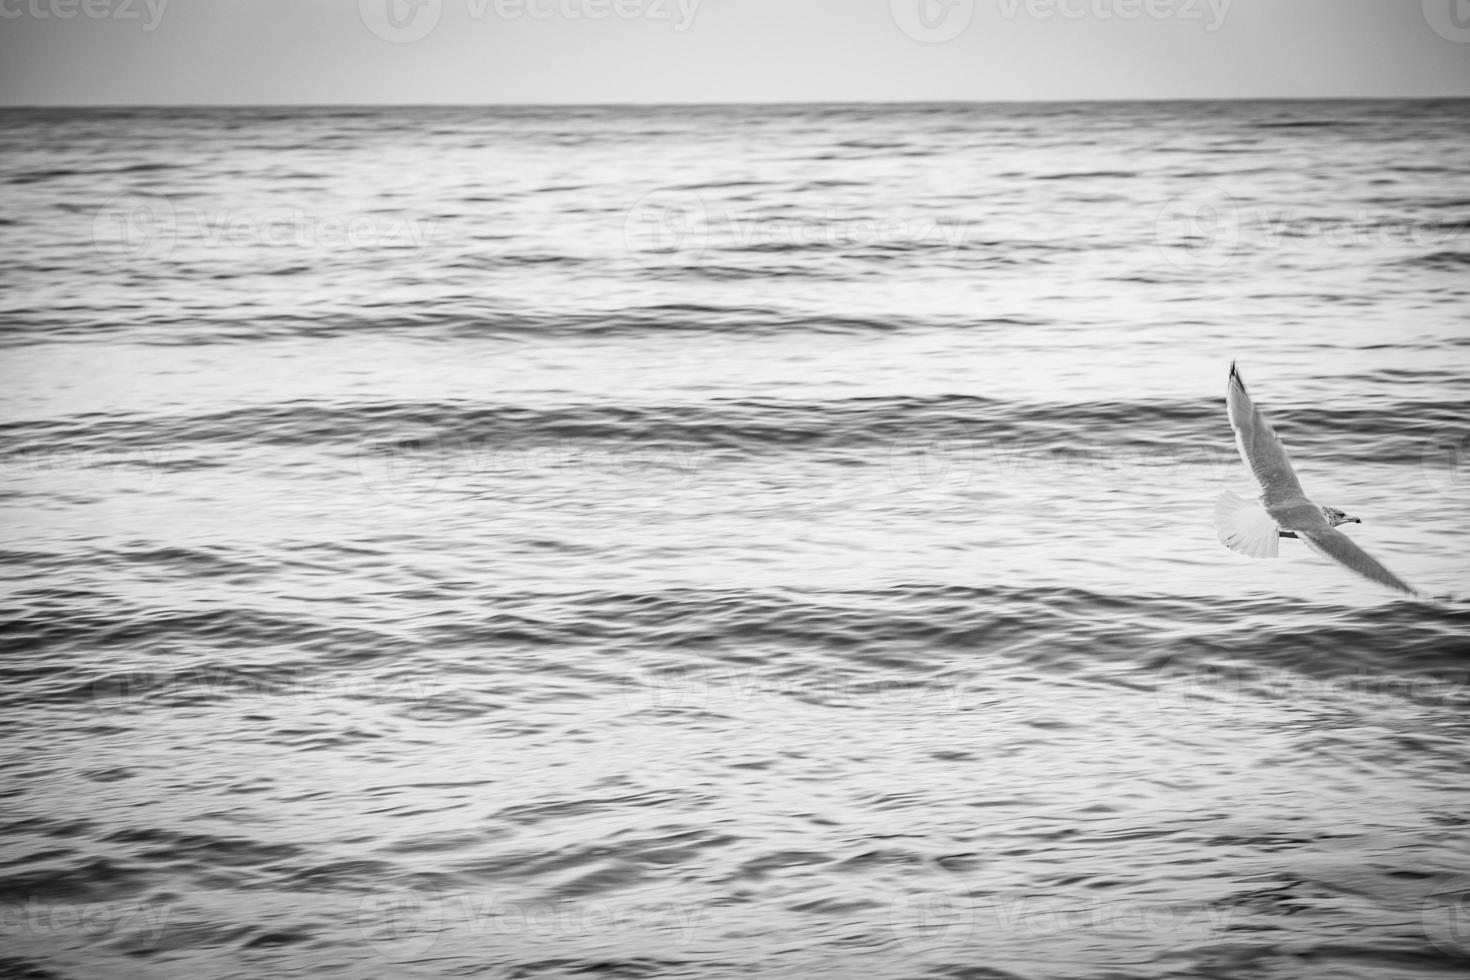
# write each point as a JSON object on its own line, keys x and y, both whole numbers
{"x": 1387, "y": 432}
{"x": 457, "y": 319}
{"x": 1443, "y": 261}
{"x": 810, "y": 640}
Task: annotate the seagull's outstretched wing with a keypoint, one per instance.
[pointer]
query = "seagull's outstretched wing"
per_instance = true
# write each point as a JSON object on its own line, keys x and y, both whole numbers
{"x": 1332, "y": 543}
{"x": 1261, "y": 449}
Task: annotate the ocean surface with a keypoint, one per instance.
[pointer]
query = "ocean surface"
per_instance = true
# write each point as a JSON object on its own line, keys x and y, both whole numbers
{"x": 729, "y": 541}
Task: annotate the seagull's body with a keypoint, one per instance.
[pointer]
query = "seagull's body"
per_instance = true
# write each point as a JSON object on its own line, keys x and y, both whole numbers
{"x": 1254, "y": 528}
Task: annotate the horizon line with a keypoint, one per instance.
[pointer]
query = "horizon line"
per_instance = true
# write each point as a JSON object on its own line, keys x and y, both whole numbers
{"x": 737, "y": 104}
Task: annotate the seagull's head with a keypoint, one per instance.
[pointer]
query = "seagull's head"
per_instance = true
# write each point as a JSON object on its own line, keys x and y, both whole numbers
{"x": 1336, "y": 517}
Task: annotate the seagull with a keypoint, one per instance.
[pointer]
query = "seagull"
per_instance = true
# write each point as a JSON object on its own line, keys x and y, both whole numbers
{"x": 1254, "y": 528}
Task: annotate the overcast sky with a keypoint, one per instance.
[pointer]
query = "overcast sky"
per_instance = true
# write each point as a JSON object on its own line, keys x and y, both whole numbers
{"x": 472, "y": 51}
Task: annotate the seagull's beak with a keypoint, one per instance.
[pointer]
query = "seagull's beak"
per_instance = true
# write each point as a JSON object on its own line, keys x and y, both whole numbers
{"x": 1355, "y": 520}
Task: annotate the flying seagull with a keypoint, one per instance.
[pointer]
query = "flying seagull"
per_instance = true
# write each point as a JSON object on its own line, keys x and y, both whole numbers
{"x": 1254, "y": 528}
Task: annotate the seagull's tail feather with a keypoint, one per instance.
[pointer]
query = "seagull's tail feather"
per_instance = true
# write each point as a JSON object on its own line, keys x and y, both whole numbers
{"x": 1245, "y": 527}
